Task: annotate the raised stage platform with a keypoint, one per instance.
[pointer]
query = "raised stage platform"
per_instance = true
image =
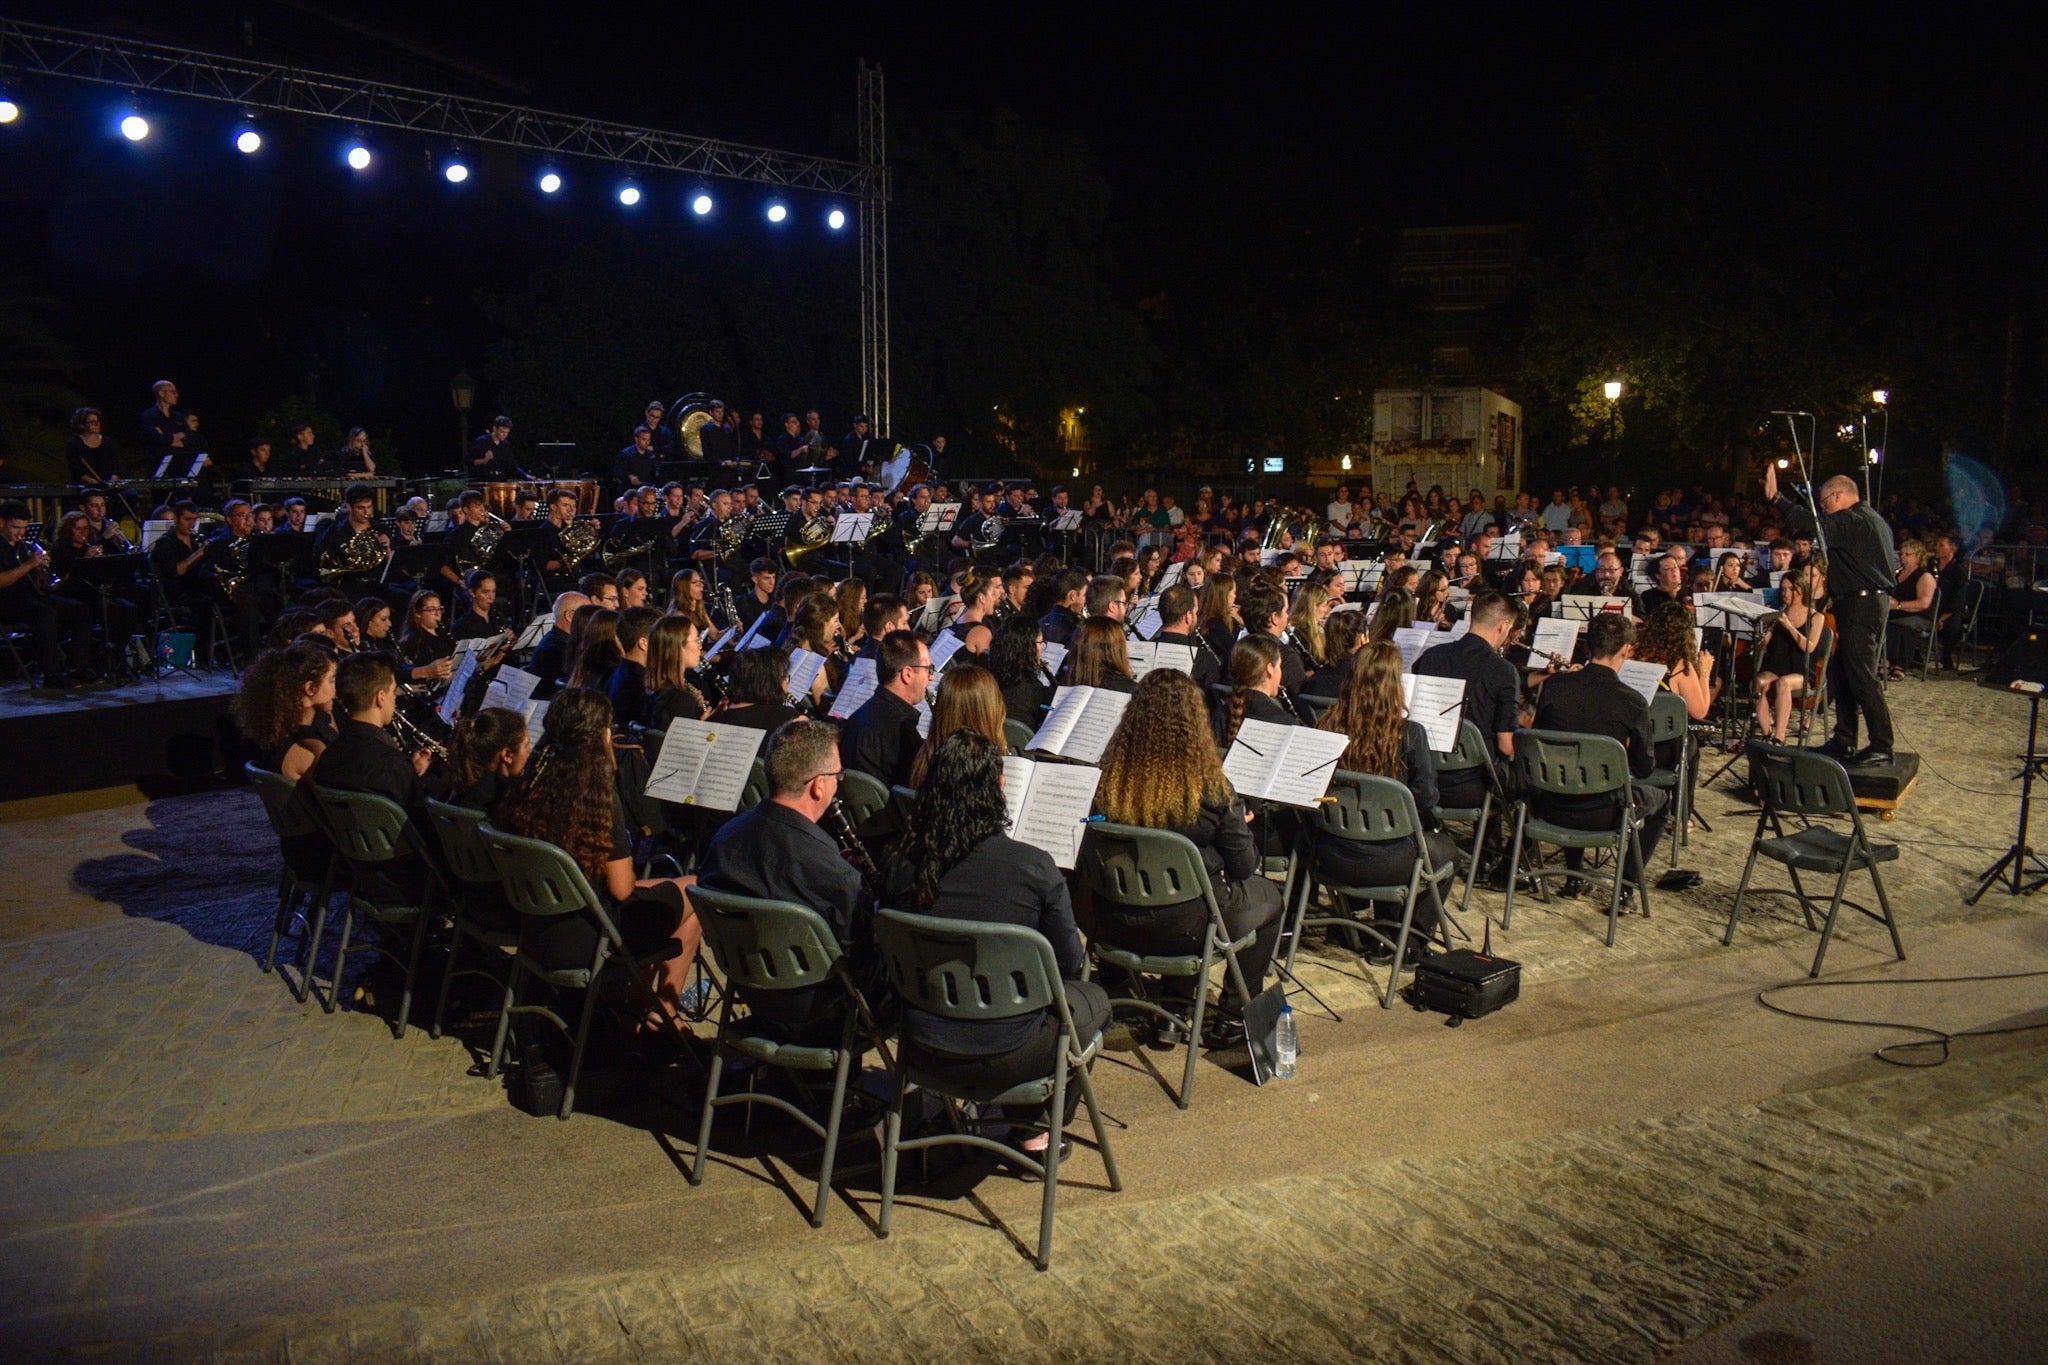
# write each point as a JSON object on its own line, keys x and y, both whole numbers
{"x": 163, "y": 736}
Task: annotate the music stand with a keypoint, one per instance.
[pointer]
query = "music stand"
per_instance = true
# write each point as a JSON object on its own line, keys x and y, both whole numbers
{"x": 526, "y": 545}
{"x": 100, "y": 572}
{"x": 2024, "y": 669}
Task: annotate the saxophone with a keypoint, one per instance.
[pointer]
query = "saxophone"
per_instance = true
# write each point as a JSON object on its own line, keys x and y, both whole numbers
{"x": 238, "y": 568}
{"x": 484, "y": 544}
{"x": 359, "y": 554}
{"x": 732, "y": 611}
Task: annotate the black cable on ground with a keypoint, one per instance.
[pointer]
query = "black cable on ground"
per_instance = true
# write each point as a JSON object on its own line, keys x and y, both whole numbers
{"x": 1930, "y": 1037}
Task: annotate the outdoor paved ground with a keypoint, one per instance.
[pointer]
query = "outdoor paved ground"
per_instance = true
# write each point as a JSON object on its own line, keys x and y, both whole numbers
{"x": 1633, "y": 1158}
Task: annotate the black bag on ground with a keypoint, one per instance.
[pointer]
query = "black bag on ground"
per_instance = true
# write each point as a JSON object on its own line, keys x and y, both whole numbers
{"x": 1465, "y": 984}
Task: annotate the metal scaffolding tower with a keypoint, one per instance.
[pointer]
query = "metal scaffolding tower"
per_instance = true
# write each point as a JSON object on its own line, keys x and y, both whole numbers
{"x": 151, "y": 68}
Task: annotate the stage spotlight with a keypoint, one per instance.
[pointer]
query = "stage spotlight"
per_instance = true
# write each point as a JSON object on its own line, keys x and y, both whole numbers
{"x": 456, "y": 172}
{"x": 9, "y": 111}
{"x": 550, "y": 182}
{"x": 629, "y": 194}
{"x": 359, "y": 157}
{"x": 135, "y": 127}
{"x": 776, "y": 213}
{"x": 836, "y": 219}
{"x": 248, "y": 142}
{"x": 701, "y": 205}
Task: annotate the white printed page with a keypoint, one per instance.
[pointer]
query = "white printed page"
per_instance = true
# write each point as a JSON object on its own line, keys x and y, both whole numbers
{"x": 1067, "y": 705}
{"x": 860, "y": 684}
{"x": 1437, "y": 705}
{"x": 1095, "y": 726}
{"x": 1643, "y": 677}
{"x": 1308, "y": 760}
{"x": 803, "y": 667}
{"x": 1411, "y": 641}
{"x": 1554, "y": 635}
{"x": 511, "y": 689}
{"x": 451, "y": 704}
{"x": 944, "y": 648}
{"x": 704, "y": 763}
{"x": 1255, "y": 756}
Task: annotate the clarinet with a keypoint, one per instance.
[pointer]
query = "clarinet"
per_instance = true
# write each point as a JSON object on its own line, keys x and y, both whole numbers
{"x": 840, "y": 827}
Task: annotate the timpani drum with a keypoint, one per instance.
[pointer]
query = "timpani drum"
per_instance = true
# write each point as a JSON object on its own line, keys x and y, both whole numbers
{"x": 502, "y": 496}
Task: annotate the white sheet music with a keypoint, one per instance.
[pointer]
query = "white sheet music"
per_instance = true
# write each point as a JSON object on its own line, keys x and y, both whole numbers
{"x": 1643, "y": 677}
{"x": 451, "y": 703}
{"x": 536, "y": 718}
{"x": 153, "y": 531}
{"x": 803, "y": 666}
{"x": 1080, "y": 723}
{"x": 1437, "y": 705}
{"x": 1149, "y": 623}
{"x": 944, "y": 648}
{"x": 860, "y": 684}
{"x": 1147, "y": 655}
{"x": 1048, "y": 805}
{"x": 475, "y": 644}
{"x": 1290, "y": 764}
{"x": 1069, "y": 520}
{"x": 704, "y": 763}
{"x": 1172, "y": 574}
{"x": 852, "y": 527}
{"x": 1411, "y": 641}
{"x": 1053, "y": 655}
{"x": 933, "y": 614}
{"x": 511, "y": 689}
{"x": 1554, "y": 635}
{"x": 938, "y": 517}
{"x": 535, "y": 629}
{"x": 924, "y": 720}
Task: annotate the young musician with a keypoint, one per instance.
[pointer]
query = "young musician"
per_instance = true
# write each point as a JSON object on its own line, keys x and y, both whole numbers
{"x": 1255, "y": 673}
{"x": 881, "y": 738}
{"x": 1099, "y": 657}
{"x": 285, "y": 708}
{"x": 674, "y": 647}
{"x": 486, "y": 752}
{"x": 1177, "y": 627}
{"x": 1787, "y": 659}
{"x": 1017, "y": 660}
{"x": 968, "y": 699}
{"x": 1059, "y": 624}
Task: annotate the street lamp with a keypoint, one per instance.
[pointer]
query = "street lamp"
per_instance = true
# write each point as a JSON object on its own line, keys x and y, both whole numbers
{"x": 463, "y": 390}
{"x": 1613, "y": 390}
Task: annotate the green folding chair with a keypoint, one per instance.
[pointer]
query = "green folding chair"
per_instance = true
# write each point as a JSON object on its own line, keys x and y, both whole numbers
{"x": 478, "y": 892}
{"x": 764, "y": 946}
{"x": 756, "y": 790}
{"x": 1669, "y": 720}
{"x": 1017, "y": 735}
{"x": 982, "y": 973}
{"x": 372, "y": 832}
{"x": 306, "y": 883}
{"x": 543, "y": 882}
{"x": 1553, "y": 763}
{"x": 1474, "y": 751}
{"x": 1809, "y": 786}
{"x": 1150, "y": 869}
{"x": 862, "y": 796}
{"x": 1363, "y": 809}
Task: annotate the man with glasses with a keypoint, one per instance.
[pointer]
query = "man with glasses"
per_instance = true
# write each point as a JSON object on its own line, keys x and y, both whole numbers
{"x": 881, "y": 739}
{"x": 1862, "y": 566}
{"x": 776, "y": 851}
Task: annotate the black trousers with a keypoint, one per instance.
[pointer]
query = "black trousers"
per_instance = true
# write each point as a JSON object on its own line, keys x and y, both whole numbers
{"x": 1252, "y": 907}
{"x": 1036, "y": 1056}
{"x": 1653, "y": 808}
{"x": 1853, "y": 680}
{"x": 63, "y": 631}
{"x": 1342, "y": 862}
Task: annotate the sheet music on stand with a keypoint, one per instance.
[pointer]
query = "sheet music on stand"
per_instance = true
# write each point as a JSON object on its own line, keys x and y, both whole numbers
{"x": 437, "y": 522}
{"x": 803, "y": 667}
{"x": 1412, "y": 641}
{"x": 754, "y": 637}
{"x": 851, "y": 528}
{"x": 1362, "y": 575}
{"x": 198, "y": 463}
{"x": 511, "y": 689}
{"x": 535, "y": 629}
{"x": 1048, "y": 805}
{"x": 861, "y": 682}
{"x": 1052, "y": 655}
{"x": 1586, "y": 608}
{"x": 536, "y": 713}
{"x": 1555, "y": 635}
{"x": 940, "y": 516}
{"x": 1737, "y": 612}
{"x": 1170, "y": 576}
{"x": 1069, "y": 520}
{"x": 153, "y": 531}
{"x": 933, "y": 617}
{"x": 1144, "y": 616}
{"x": 1437, "y": 705}
{"x": 163, "y": 466}
{"x": 1080, "y": 723}
{"x": 705, "y": 763}
{"x": 1146, "y": 655}
{"x": 1643, "y": 677}
{"x": 1291, "y": 764}
{"x": 450, "y": 708}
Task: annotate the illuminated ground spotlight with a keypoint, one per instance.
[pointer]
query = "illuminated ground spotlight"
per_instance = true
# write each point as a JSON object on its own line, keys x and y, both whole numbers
{"x": 629, "y": 194}
{"x": 134, "y": 127}
{"x": 836, "y": 219}
{"x": 550, "y": 182}
{"x": 776, "y": 213}
{"x": 700, "y": 204}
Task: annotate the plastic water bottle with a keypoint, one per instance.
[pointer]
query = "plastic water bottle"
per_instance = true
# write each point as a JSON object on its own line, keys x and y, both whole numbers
{"x": 1285, "y": 1046}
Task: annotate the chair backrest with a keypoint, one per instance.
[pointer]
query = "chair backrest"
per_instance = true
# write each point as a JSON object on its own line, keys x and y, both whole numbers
{"x": 1668, "y": 717}
{"x": 1315, "y": 705}
{"x": 365, "y": 827}
{"x": 457, "y": 831}
{"x": 756, "y": 790}
{"x": 1974, "y": 593}
{"x": 287, "y": 804}
{"x": 539, "y": 877}
{"x": 959, "y": 969}
{"x": 861, "y": 794}
{"x": 1800, "y": 781}
{"x": 1141, "y": 868}
{"x": 1017, "y": 734}
{"x": 1366, "y": 809}
{"x": 1474, "y": 750}
{"x": 763, "y": 944}
{"x": 1560, "y": 764}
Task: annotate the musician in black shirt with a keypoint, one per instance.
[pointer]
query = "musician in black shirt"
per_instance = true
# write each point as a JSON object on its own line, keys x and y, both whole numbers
{"x": 1177, "y": 627}
{"x": 1862, "y": 566}
{"x": 719, "y": 442}
{"x": 634, "y": 465}
{"x": 365, "y": 758}
{"x": 881, "y": 738}
{"x": 776, "y": 851}
{"x": 62, "y": 625}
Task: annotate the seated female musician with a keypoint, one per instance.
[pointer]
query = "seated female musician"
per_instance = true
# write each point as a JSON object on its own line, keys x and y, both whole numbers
{"x": 979, "y": 593}
{"x": 1667, "y": 638}
{"x": 355, "y": 459}
{"x": 485, "y": 753}
{"x": 968, "y": 700}
{"x": 1343, "y": 634}
{"x": 425, "y": 646}
{"x": 1787, "y": 657}
{"x": 1370, "y": 711}
{"x": 1220, "y": 621}
{"x": 595, "y": 651}
{"x": 286, "y": 707}
{"x": 852, "y": 597}
{"x": 373, "y": 623}
{"x": 626, "y": 685}
{"x": 1912, "y": 609}
{"x": 1159, "y": 772}
{"x": 1254, "y": 689}
{"x": 1728, "y": 574}
{"x": 756, "y": 692}
{"x": 1312, "y": 607}
{"x": 1432, "y": 597}
{"x": 1396, "y": 612}
{"x": 674, "y": 647}
{"x": 1018, "y": 662}
{"x": 1099, "y": 658}
{"x": 686, "y": 598}
{"x": 957, "y": 863}
{"x": 568, "y": 795}
{"x": 480, "y": 621}
{"x": 817, "y": 629}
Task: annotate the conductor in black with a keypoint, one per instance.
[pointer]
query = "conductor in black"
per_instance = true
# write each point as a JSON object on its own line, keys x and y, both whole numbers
{"x": 1861, "y": 569}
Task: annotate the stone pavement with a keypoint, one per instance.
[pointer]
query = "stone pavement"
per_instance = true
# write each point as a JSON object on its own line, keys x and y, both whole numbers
{"x": 193, "y": 1165}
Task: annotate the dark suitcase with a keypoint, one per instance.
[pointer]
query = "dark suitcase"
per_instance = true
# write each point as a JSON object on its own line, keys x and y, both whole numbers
{"x": 1464, "y": 984}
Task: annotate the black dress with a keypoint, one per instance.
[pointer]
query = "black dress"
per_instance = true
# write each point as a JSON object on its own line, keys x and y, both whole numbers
{"x": 1342, "y": 862}
{"x": 646, "y": 920}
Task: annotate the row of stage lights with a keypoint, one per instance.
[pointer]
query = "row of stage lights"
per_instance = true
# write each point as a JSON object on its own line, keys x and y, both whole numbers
{"x": 359, "y": 157}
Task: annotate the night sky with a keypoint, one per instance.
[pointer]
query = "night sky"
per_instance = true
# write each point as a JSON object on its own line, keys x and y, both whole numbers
{"x": 1889, "y": 174}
